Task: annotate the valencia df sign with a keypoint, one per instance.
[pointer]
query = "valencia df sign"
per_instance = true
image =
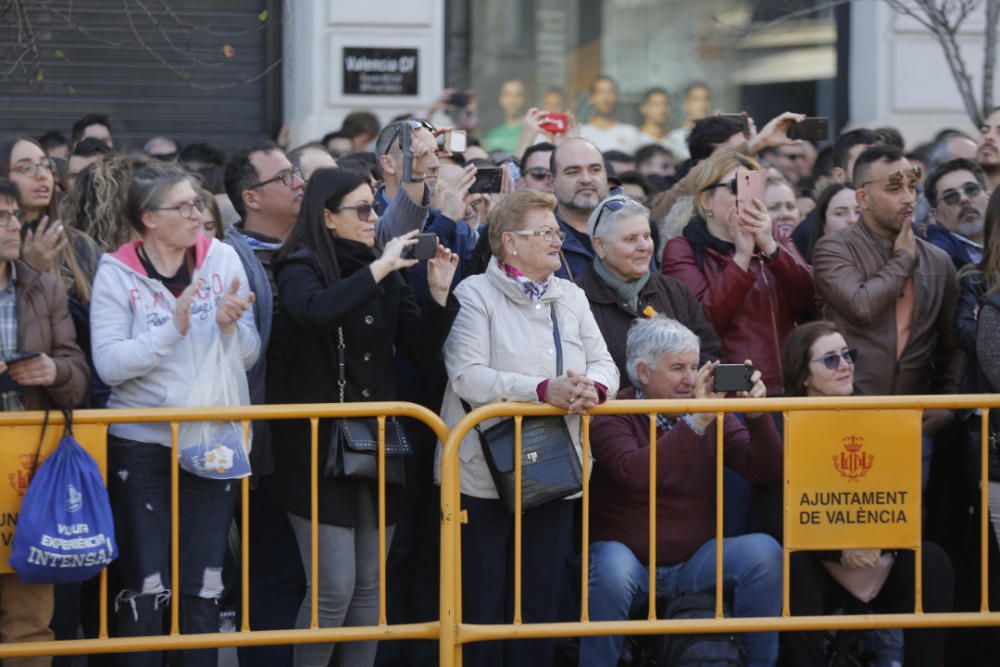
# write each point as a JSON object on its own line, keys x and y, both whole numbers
{"x": 852, "y": 479}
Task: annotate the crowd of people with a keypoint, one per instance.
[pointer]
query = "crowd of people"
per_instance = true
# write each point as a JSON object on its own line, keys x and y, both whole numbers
{"x": 610, "y": 261}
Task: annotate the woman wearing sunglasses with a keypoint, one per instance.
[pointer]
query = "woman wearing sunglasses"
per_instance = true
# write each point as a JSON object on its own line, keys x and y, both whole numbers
{"x": 750, "y": 282}
{"x": 817, "y": 363}
{"x": 621, "y": 288}
{"x": 337, "y": 288}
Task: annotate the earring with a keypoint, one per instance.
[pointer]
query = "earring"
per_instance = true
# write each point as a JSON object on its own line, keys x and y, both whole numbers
{"x": 708, "y": 214}
{"x": 514, "y": 253}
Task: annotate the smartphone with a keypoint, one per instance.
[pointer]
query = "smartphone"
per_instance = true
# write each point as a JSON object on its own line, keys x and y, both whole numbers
{"x": 459, "y": 99}
{"x": 813, "y": 128}
{"x": 452, "y": 141}
{"x": 749, "y": 186}
{"x": 19, "y": 357}
{"x": 426, "y": 246}
{"x": 554, "y": 123}
{"x": 488, "y": 180}
{"x": 732, "y": 377}
{"x": 738, "y": 118}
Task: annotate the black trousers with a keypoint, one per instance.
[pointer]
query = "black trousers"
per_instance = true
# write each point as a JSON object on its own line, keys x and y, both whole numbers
{"x": 488, "y": 576}
{"x": 814, "y": 592}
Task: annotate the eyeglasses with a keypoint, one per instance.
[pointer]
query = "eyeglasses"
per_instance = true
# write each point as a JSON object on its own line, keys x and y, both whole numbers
{"x": 896, "y": 178}
{"x": 729, "y": 185}
{"x": 286, "y": 176}
{"x": 832, "y": 359}
{"x": 186, "y": 209}
{"x": 970, "y": 189}
{"x": 7, "y": 217}
{"x": 363, "y": 211}
{"x": 545, "y": 233}
{"x": 612, "y": 204}
{"x": 32, "y": 168}
{"x": 414, "y": 125}
{"x": 537, "y": 172}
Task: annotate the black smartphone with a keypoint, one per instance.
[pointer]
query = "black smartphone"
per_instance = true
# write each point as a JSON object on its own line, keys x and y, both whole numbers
{"x": 488, "y": 181}
{"x": 813, "y": 128}
{"x": 19, "y": 357}
{"x": 732, "y": 377}
{"x": 426, "y": 246}
{"x": 459, "y": 99}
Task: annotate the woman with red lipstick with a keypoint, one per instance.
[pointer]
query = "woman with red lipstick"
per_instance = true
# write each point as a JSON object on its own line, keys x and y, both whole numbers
{"x": 340, "y": 296}
{"x": 817, "y": 362}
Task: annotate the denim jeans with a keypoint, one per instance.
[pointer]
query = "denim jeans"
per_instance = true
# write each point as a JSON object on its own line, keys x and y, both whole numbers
{"x": 619, "y": 583}
{"x": 139, "y": 486}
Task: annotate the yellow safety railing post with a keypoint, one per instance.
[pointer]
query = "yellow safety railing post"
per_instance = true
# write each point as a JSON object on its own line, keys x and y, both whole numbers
{"x": 585, "y": 527}
{"x": 720, "y": 434}
{"x": 175, "y": 523}
{"x": 651, "y": 613}
{"x": 984, "y": 511}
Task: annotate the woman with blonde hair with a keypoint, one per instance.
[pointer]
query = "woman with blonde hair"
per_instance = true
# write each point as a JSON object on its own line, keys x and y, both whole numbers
{"x": 750, "y": 283}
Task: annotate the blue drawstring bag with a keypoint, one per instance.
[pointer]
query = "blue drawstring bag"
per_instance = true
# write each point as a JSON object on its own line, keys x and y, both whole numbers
{"x": 65, "y": 530}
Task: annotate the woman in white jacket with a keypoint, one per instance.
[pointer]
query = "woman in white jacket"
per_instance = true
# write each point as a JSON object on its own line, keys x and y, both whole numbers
{"x": 502, "y": 348}
{"x": 159, "y": 306}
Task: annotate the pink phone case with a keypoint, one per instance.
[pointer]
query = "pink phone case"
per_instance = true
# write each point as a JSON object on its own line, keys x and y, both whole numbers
{"x": 749, "y": 186}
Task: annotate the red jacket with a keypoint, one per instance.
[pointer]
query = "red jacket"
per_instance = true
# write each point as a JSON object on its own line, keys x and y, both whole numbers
{"x": 685, "y": 494}
{"x": 753, "y": 311}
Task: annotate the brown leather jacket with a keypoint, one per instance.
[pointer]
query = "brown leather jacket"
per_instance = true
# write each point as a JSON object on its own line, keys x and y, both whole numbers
{"x": 44, "y": 325}
{"x": 858, "y": 280}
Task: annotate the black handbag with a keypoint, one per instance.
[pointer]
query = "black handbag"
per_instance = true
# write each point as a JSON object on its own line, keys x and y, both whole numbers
{"x": 550, "y": 466}
{"x": 352, "y": 452}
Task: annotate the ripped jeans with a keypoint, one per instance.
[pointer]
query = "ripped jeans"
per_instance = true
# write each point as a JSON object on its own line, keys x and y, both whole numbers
{"x": 139, "y": 486}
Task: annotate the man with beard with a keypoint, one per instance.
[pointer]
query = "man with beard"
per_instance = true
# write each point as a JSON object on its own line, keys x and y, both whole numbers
{"x": 867, "y": 278}
{"x": 580, "y": 182}
{"x": 988, "y": 151}
{"x": 957, "y": 194}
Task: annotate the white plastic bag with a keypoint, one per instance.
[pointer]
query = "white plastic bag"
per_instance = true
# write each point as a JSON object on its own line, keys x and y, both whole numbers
{"x": 217, "y": 450}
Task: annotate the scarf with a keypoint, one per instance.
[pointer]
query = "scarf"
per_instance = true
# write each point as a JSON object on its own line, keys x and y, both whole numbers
{"x": 533, "y": 290}
{"x": 352, "y": 255}
{"x": 626, "y": 292}
{"x": 697, "y": 234}
{"x": 663, "y": 422}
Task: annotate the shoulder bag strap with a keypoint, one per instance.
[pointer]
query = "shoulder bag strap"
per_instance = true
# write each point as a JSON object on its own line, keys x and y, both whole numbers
{"x": 341, "y": 363}
{"x": 556, "y": 338}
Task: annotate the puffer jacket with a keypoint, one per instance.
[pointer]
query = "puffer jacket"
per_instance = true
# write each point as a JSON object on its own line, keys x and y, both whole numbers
{"x": 753, "y": 311}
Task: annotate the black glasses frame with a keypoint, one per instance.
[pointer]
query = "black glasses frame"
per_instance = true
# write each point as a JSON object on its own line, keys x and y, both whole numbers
{"x": 286, "y": 176}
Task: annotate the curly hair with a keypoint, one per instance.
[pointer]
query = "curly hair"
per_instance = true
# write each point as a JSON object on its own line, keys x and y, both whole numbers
{"x": 96, "y": 203}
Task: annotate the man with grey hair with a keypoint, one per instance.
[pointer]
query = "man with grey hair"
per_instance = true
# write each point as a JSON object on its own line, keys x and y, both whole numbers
{"x": 663, "y": 364}
{"x": 310, "y": 157}
{"x": 579, "y": 182}
{"x": 622, "y": 288}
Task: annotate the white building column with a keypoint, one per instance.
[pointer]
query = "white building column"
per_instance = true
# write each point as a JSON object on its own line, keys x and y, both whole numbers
{"x": 318, "y": 32}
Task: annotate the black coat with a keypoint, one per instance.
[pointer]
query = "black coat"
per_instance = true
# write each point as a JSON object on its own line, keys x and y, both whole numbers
{"x": 375, "y": 318}
{"x": 665, "y": 295}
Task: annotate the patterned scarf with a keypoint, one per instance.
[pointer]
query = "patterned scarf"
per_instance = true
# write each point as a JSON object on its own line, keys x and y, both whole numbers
{"x": 532, "y": 290}
{"x": 663, "y": 422}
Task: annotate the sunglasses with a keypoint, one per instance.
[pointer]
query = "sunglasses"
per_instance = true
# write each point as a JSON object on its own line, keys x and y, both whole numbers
{"x": 414, "y": 126}
{"x": 537, "y": 172}
{"x": 832, "y": 359}
{"x": 952, "y": 197}
{"x": 895, "y": 178}
{"x": 363, "y": 211}
{"x": 729, "y": 185}
{"x": 612, "y": 204}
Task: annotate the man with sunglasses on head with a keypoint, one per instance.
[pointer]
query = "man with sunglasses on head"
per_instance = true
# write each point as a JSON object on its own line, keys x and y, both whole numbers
{"x": 266, "y": 190}
{"x": 957, "y": 194}
{"x": 892, "y": 294}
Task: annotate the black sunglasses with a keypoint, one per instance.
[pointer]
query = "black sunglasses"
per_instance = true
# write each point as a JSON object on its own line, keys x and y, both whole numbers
{"x": 612, "y": 204}
{"x": 832, "y": 359}
{"x": 363, "y": 211}
{"x": 970, "y": 189}
{"x": 730, "y": 185}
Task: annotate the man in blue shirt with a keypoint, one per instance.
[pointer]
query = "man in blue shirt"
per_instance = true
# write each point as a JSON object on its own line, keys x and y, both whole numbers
{"x": 580, "y": 182}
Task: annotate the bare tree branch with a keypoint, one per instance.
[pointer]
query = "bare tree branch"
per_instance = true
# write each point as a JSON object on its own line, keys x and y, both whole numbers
{"x": 990, "y": 53}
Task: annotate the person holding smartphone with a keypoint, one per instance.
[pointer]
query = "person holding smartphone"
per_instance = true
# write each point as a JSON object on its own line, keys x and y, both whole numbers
{"x": 36, "y": 329}
{"x": 750, "y": 283}
{"x": 337, "y": 285}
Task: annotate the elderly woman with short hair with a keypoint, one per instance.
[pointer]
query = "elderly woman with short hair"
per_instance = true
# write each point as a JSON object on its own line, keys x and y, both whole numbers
{"x": 621, "y": 288}
{"x": 502, "y": 348}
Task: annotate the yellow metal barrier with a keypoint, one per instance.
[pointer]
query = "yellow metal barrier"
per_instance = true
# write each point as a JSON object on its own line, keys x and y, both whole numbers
{"x": 455, "y": 633}
{"x": 245, "y": 636}
{"x": 450, "y": 631}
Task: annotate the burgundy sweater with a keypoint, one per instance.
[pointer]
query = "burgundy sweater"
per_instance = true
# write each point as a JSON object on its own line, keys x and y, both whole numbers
{"x": 685, "y": 496}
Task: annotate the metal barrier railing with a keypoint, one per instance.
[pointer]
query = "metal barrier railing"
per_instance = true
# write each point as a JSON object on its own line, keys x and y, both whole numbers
{"x": 455, "y": 633}
{"x": 451, "y": 632}
{"x": 245, "y": 636}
